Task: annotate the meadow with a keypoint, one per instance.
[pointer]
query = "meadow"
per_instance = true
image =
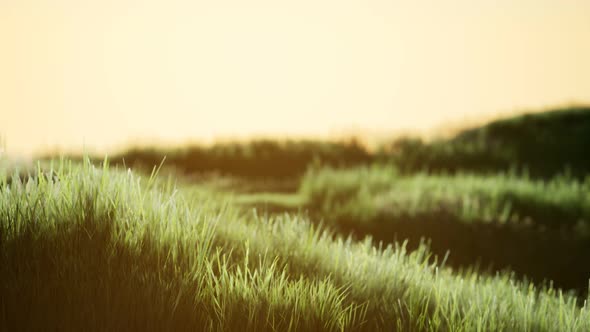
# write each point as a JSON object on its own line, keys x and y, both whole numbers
{"x": 305, "y": 235}
{"x": 102, "y": 249}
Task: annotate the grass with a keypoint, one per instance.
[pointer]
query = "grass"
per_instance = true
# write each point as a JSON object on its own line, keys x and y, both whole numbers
{"x": 537, "y": 228}
{"x": 98, "y": 249}
{"x": 366, "y": 192}
{"x": 101, "y": 249}
{"x": 543, "y": 143}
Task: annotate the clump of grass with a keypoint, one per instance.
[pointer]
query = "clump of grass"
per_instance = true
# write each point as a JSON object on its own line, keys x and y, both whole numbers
{"x": 365, "y": 192}
{"x": 98, "y": 249}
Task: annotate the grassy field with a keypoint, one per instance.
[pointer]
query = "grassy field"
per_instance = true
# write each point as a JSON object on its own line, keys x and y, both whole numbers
{"x": 100, "y": 249}
{"x": 367, "y": 192}
{"x": 485, "y": 231}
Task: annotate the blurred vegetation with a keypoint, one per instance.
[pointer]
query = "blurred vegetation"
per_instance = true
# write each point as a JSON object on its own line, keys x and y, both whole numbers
{"x": 255, "y": 159}
{"x": 363, "y": 193}
{"x": 541, "y": 145}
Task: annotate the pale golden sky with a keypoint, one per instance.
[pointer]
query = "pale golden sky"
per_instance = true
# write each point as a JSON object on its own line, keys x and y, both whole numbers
{"x": 102, "y": 73}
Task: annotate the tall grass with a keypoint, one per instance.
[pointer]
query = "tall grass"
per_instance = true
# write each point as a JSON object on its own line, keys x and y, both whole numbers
{"x": 365, "y": 192}
{"x": 99, "y": 249}
{"x": 539, "y": 229}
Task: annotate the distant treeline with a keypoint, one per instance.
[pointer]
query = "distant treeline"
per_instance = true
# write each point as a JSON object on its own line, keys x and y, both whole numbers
{"x": 540, "y": 144}
{"x": 261, "y": 158}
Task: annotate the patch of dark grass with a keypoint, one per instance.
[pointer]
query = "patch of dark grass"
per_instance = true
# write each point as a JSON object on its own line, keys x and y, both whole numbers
{"x": 541, "y": 144}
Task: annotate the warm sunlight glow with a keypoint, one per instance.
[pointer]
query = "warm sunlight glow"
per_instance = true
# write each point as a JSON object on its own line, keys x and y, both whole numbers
{"x": 103, "y": 73}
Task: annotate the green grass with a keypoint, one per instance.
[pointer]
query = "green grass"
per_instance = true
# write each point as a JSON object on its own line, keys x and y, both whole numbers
{"x": 366, "y": 192}
{"x": 537, "y": 228}
{"x": 99, "y": 249}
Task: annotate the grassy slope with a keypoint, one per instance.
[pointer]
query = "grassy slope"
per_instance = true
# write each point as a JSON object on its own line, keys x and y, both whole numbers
{"x": 367, "y": 192}
{"x": 539, "y": 229}
{"x": 98, "y": 249}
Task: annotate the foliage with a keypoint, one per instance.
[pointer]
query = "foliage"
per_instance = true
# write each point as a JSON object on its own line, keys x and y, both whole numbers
{"x": 98, "y": 249}
{"x": 537, "y": 228}
{"x": 364, "y": 192}
{"x": 542, "y": 144}
{"x": 255, "y": 159}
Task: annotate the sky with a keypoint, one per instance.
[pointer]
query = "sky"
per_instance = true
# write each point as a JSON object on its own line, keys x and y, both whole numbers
{"x": 102, "y": 74}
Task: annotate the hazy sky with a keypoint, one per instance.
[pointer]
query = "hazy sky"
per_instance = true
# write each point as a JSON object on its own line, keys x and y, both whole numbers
{"x": 101, "y": 73}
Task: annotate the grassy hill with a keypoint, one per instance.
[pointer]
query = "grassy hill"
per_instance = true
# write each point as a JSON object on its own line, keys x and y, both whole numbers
{"x": 90, "y": 248}
{"x": 541, "y": 144}
{"x": 307, "y": 236}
